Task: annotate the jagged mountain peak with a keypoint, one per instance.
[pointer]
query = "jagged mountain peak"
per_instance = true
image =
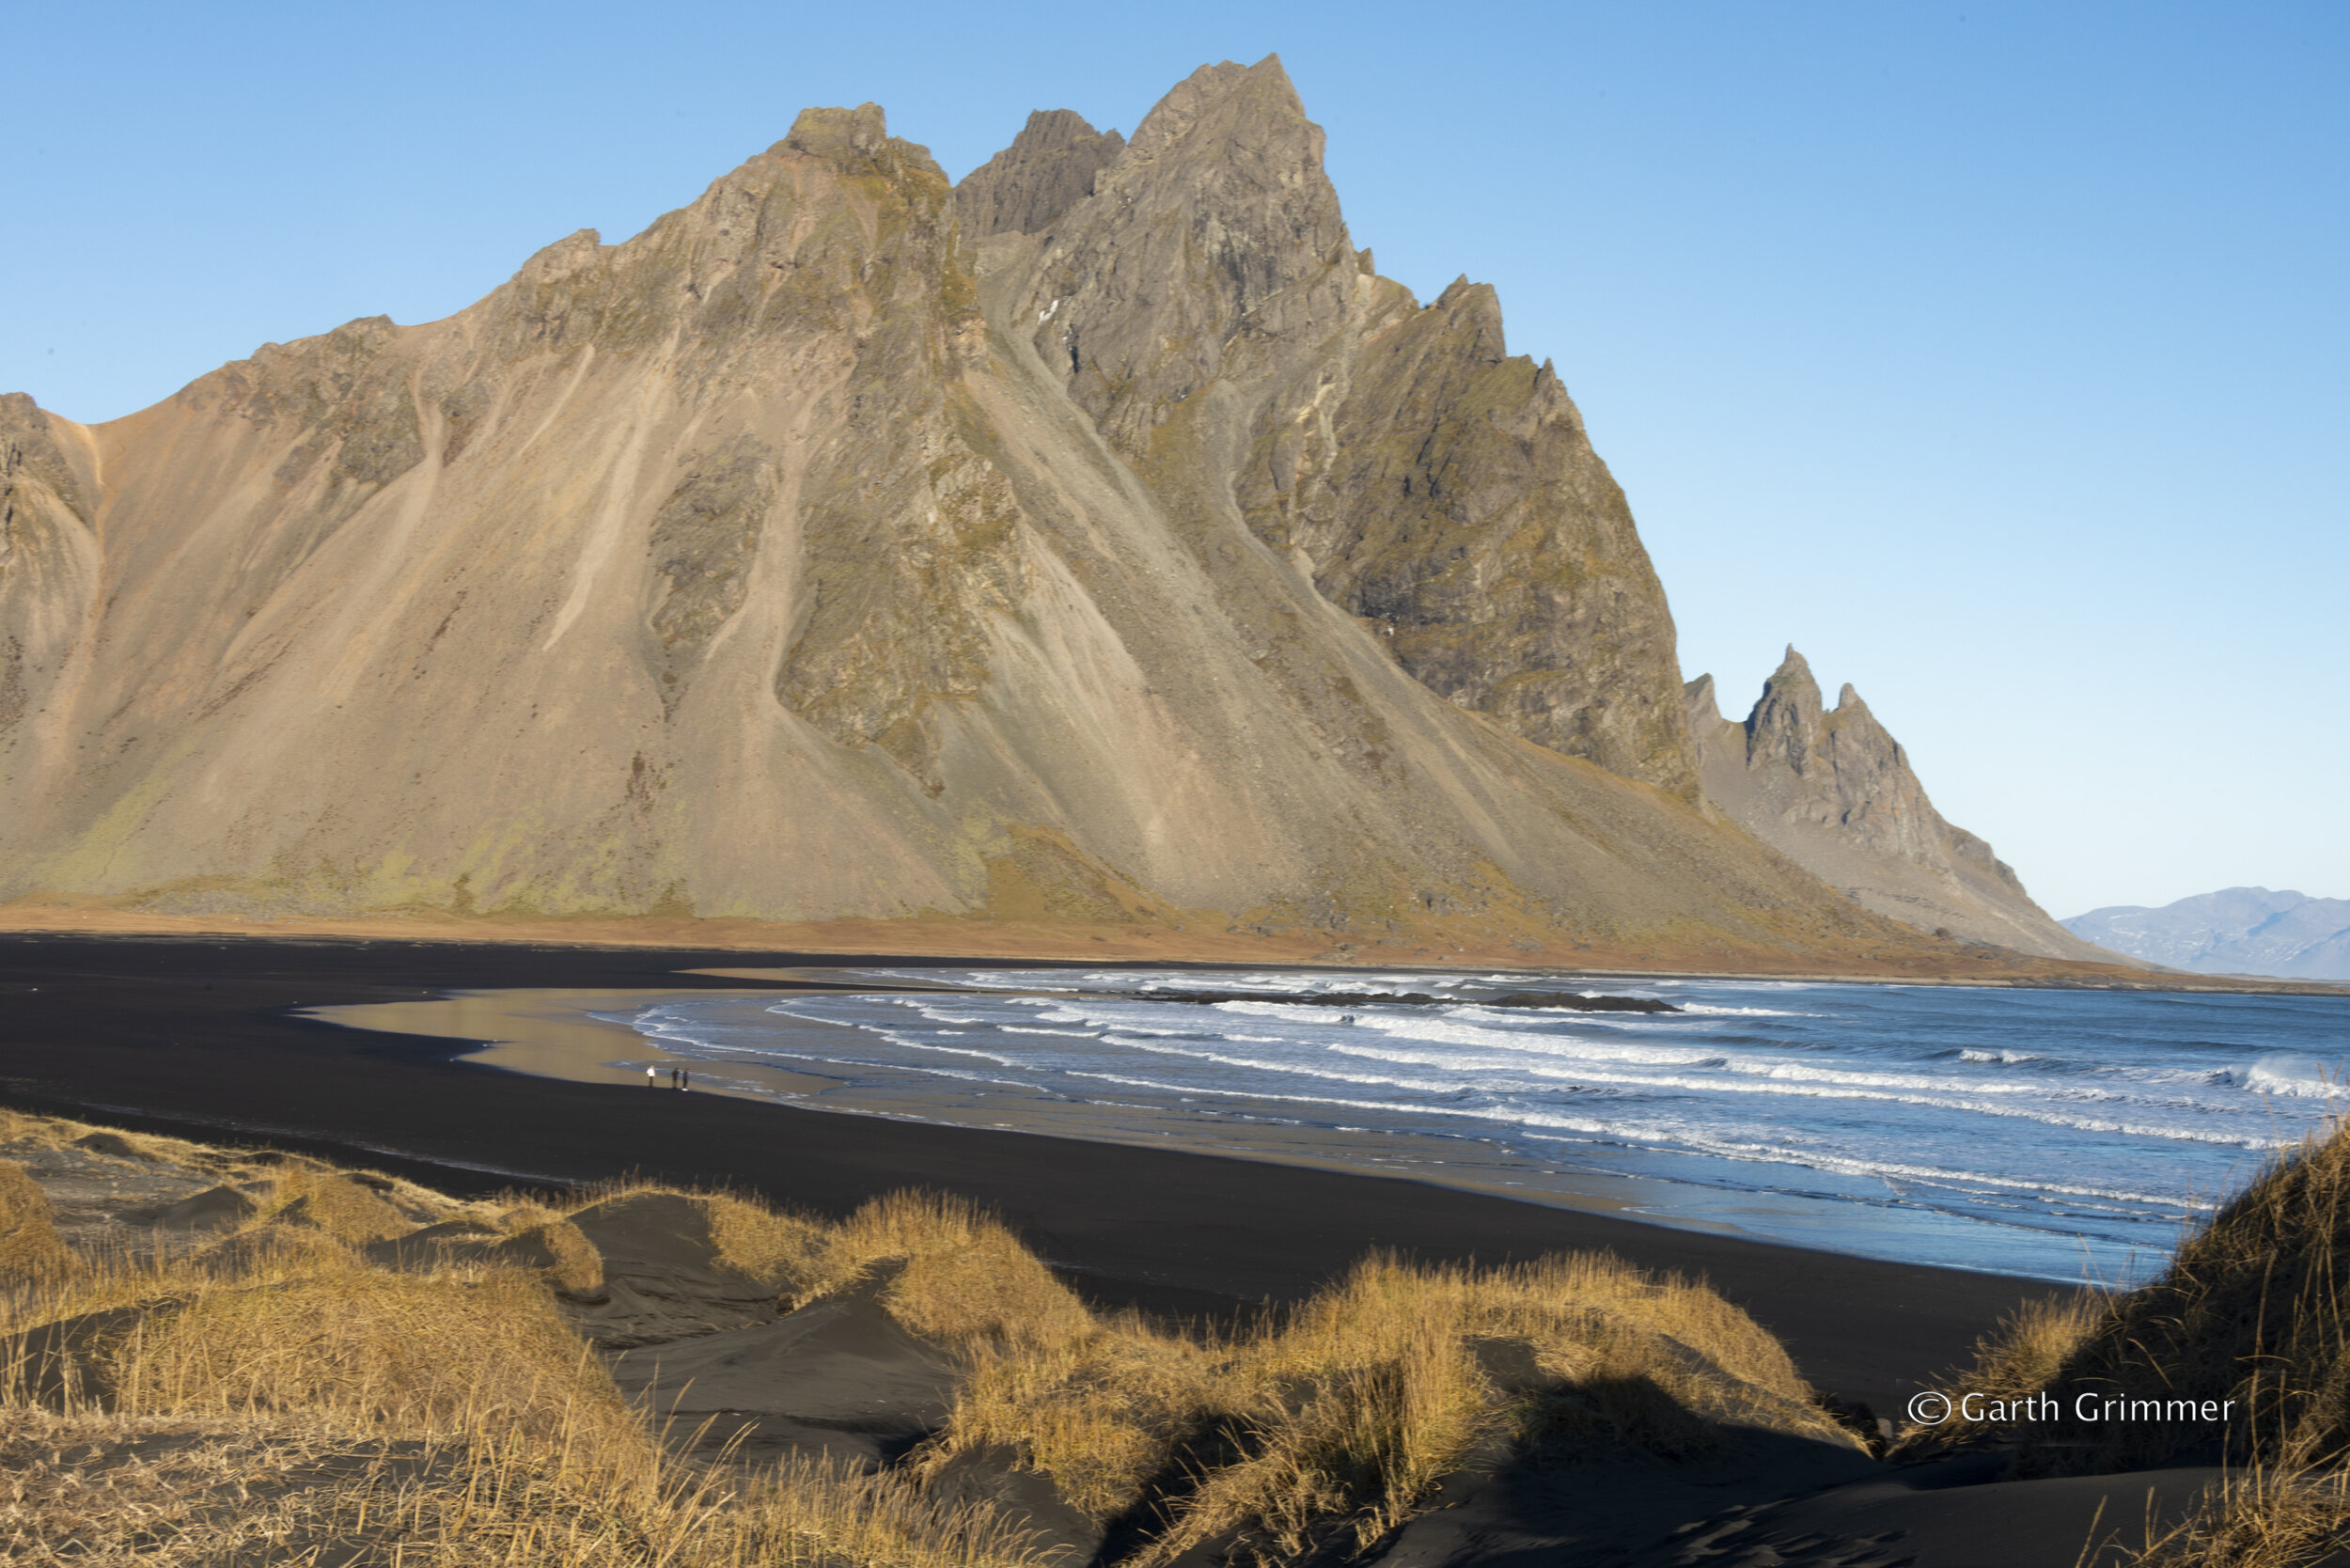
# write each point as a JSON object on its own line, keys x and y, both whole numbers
{"x": 1704, "y": 706}
{"x": 1230, "y": 100}
{"x": 1477, "y": 308}
{"x": 1218, "y": 206}
{"x": 1050, "y": 129}
{"x": 1793, "y": 668}
{"x": 1048, "y": 168}
{"x": 841, "y": 134}
{"x": 552, "y": 262}
{"x": 1834, "y": 790}
{"x": 1784, "y": 726}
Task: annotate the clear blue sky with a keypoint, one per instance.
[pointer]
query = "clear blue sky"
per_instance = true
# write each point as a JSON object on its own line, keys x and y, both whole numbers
{"x": 1994, "y": 354}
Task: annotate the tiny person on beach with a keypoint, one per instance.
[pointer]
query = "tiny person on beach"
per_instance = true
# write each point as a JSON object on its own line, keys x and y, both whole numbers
{"x": 652, "y": 1077}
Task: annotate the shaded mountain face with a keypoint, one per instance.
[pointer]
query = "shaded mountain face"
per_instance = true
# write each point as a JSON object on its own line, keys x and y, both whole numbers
{"x": 2236, "y": 930}
{"x": 1831, "y": 790}
{"x": 1207, "y": 309}
{"x": 1105, "y": 539}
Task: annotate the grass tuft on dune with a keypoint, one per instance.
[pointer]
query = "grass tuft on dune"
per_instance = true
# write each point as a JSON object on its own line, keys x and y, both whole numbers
{"x": 277, "y": 1395}
{"x": 31, "y": 1251}
{"x": 298, "y": 1387}
{"x": 2251, "y": 1311}
{"x": 2249, "y": 1314}
{"x": 1344, "y": 1418}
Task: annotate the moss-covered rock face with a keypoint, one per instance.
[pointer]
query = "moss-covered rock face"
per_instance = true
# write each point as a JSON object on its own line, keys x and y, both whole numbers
{"x": 704, "y": 536}
{"x": 1101, "y": 543}
{"x": 1451, "y": 498}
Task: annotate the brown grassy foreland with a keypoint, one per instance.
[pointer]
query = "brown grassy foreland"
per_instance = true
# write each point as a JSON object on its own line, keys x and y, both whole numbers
{"x": 269, "y": 1392}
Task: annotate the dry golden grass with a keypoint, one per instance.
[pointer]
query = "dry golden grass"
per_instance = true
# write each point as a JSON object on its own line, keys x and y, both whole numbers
{"x": 765, "y": 1243}
{"x": 2033, "y": 1342}
{"x": 199, "y": 1492}
{"x": 1348, "y": 1415}
{"x": 962, "y": 1277}
{"x": 27, "y": 1133}
{"x": 574, "y": 1267}
{"x": 1380, "y": 1426}
{"x": 2259, "y": 1519}
{"x": 331, "y": 1201}
{"x": 1410, "y": 1367}
{"x": 297, "y": 1322}
{"x": 279, "y": 1397}
{"x": 276, "y": 1396}
{"x": 350, "y": 1343}
{"x": 19, "y": 1130}
{"x": 30, "y": 1249}
{"x": 2250, "y": 1310}
{"x": 957, "y": 1273}
{"x": 1100, "y": 1414}
{"x": 516, "y": 1213}
{"x": 578, "y": 1267}
{"x": 2023, "y": 1356}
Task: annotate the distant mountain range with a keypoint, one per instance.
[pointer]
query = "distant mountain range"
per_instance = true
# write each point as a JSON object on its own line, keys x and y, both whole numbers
{"x": 2236, "y": 930}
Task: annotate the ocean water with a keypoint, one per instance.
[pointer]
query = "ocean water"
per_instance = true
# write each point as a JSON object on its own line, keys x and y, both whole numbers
{"x": 2060, "y": 1134}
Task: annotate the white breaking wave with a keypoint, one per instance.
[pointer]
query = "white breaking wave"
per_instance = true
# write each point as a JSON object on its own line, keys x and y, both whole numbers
{"x": 1699, "y": 1009}
{"x": 2303, "y": 1078}
{"x": 2064, "y": 1114}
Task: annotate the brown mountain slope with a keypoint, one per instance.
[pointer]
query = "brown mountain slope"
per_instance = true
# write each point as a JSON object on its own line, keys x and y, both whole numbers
{"x": 778, "y": 564}
{"x": 1832, "y": 790}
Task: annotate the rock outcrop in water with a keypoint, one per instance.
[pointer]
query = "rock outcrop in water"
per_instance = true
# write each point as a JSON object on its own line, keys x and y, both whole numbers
{"x": 1101, "y": 539}
{"x": 1832, "y": 790}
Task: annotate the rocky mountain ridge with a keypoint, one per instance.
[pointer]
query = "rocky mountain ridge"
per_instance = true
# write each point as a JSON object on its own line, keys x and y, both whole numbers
{"x": 1830, "y": 788}
{"x": 1425, "y": 480}
{"x": 1104, "y": 540}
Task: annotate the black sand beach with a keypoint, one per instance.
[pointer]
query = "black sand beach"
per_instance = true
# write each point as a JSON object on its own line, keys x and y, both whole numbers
{"x": 195, "y": 1036}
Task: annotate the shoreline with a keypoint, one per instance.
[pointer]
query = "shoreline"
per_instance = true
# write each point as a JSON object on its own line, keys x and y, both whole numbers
{"x": 1069, "y": 942}
{"x": 556, "y": 1034}
{"x": 548, "y": 1034}
{"x": 205, "y": 1038}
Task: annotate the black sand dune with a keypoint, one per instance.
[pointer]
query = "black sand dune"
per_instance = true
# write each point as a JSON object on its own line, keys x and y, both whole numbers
{"x": 662, "y": 1278}
{"x": 1954, "y": 1514}
{"x": 838, "y": 1376}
